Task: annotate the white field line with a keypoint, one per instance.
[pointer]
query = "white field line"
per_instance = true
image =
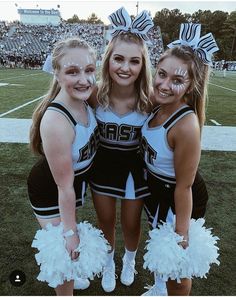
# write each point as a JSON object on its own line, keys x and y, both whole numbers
{"x": 223, "y": 87}
{"x": 215, "y": 122}
{"x": 23, "y": 105}
{"x": 19, "y": 76}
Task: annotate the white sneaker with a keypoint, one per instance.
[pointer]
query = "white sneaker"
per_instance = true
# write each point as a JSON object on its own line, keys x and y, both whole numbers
{"x": 128, "y": 272}
{"x": 81, "y": 283}
{"x": 109, "y": 278}
{"x": 155, "y": 291}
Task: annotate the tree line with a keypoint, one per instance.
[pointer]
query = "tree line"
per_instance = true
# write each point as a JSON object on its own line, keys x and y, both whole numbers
{"x": 221, "y": 24}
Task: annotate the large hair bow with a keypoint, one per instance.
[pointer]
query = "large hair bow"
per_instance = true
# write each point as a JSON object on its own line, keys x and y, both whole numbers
{"x": 203, "y": 46}
{"x": 122, "y": 22}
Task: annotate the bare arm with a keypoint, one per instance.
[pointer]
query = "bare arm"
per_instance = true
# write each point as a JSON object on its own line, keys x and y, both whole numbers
{"x": 57, "y": 137}
{"x": 185, "y": 136}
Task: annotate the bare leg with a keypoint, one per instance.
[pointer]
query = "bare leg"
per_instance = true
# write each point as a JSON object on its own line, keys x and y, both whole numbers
{"x": 131, "y": 222}
{"x": 106, "y": 215}
{"x": 105, "y": 207}
{"x": 67, "y": 288}
{"x": 179, "y": 289}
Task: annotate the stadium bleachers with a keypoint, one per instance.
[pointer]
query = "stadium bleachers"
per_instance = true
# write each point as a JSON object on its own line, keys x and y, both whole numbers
{"x": 27, "y": 46}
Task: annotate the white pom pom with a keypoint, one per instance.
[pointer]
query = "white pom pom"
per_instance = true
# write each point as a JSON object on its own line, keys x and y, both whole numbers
{"x": 169, "y": 260}
{"x": 53, "y": 258}
{"x": 202, "y": 250}
{"x": 93, "y": 249}
{"x": 56, "y": 266}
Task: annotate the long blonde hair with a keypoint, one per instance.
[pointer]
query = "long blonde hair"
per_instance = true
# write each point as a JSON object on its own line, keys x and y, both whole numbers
{"x": 199, "y": 74}
{"x": 143, "y": 84}
{"x": 57, "y": 54}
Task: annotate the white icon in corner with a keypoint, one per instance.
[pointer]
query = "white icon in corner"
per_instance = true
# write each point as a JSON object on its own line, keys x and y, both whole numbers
{"x": 17, "y": 278}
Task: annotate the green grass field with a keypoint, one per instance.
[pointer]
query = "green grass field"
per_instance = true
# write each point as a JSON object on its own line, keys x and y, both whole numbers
{"x": 18, "y": 224}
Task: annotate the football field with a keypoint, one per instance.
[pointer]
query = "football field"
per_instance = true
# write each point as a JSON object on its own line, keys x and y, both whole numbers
{"x": 20, "y": 91}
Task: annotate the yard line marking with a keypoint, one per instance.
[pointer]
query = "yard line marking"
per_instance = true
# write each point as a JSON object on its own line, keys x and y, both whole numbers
{"x": 20, "y": 76}
{"x": 223, "y": 87}
{"x": 23, "y": 105}
{"x": 8, "y": 84}
{"x": 215, "y": 122}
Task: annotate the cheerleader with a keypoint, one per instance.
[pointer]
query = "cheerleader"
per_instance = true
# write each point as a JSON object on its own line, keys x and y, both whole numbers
{"x": 171, "y": 148}
{"x": 64, "y": 132}
{"x": 122, "y": 105}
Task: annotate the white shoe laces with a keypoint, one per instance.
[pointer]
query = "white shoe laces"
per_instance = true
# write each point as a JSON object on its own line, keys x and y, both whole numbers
{"x": 154, "y": 290}
{"x": 108, "y": 272}
{"x": 151, "y": 290}
{"x": 130, "y": 266}
{"x": 149, "y": 287}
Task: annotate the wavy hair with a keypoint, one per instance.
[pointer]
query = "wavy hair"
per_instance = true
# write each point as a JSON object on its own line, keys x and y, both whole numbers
{"x": 58, "y": 53}
{"x": 143, "y": 84}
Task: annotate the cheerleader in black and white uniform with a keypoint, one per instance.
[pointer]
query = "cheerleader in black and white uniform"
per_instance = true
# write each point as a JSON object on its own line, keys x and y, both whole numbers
{"x": 171, "y": 149}
{"x": 41, "y": 183}
{"x": 122, "y": 104}
{"x": 65, "y": 133}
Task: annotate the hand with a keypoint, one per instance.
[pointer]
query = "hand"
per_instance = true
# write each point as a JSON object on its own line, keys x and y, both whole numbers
{"x": 184, "y": 242}
{"x": 72, "y": 242}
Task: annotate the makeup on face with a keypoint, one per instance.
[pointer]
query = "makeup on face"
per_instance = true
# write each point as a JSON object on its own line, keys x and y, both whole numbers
{"x": 180, "y": 85}
{"x": 75, "y": 69}
{"x": 175, "y": 79}
{"x": 70, "y": 63}
{"x": 92, "y": 80}
{"x": 73, "y": 64}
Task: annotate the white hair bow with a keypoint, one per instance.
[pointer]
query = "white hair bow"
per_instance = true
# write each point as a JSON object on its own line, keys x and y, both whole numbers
{"x": 47, "y": 66}
{"x": 122, "y": 22}
{"x": 203, "y": 46}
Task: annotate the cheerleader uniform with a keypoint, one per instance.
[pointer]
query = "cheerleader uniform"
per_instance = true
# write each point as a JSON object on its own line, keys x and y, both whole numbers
{"x": 159, "y": 159}
{"x": 42, "y": 189}
{"x": 117, "y": 170}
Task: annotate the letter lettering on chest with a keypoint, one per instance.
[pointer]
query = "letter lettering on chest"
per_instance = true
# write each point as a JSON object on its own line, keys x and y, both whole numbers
{"x": 113, "y": 131}
{"x": 87, "y": 151}
{"x": 149, "y": 154}
{"x": 125, "y": 132}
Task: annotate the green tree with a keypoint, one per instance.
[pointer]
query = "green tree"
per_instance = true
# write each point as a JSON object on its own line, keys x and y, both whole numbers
{"x": 169, "y": 21}
{"x": 229, "y": 33}
{"x": 93, "y": 19}
{"x": 210, "y": 21}
{"x": 74, "y": 19}
{"x": 214, "y": 22}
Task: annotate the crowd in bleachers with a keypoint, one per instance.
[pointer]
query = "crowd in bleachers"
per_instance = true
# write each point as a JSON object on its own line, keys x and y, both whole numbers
{"x": 224, "y": 65}
{"x": 156, "y": 47}
{"x": 27, "y": 46}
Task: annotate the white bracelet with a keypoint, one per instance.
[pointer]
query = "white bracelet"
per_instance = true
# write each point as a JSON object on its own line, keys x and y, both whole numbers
{"x": 68, "y": 233}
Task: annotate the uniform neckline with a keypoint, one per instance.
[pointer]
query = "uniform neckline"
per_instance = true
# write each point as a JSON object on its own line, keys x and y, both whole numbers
{"x": 156, "y": 112}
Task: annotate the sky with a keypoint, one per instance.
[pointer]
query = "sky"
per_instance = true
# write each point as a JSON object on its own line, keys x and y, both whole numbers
{"x": 8, "y": 9}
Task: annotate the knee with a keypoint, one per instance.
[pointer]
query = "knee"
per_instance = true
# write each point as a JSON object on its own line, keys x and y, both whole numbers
{"x": 131, "y": 228}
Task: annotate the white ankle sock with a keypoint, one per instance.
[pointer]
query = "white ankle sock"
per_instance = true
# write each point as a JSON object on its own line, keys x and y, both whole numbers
{"x": 110, "y": 258}
{"x": 159, "y": 282}
{"x": 130, "y": 255}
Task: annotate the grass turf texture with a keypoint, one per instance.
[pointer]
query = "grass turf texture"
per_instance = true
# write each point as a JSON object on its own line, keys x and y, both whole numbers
{"x": 19, "y": 225}
{"x": 32, "y": 84}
